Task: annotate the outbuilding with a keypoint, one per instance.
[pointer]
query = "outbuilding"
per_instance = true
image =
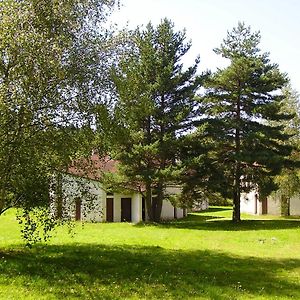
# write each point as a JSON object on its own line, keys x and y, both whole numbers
{"x": 79, "y": 194}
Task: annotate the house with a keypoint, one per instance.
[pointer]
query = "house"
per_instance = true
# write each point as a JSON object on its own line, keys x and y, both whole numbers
{"x": 251, "y": 204}
{"x": 79, "y": 194}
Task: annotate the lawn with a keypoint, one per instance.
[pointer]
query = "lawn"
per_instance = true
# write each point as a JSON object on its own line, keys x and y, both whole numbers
{"x": 203, "y": 256}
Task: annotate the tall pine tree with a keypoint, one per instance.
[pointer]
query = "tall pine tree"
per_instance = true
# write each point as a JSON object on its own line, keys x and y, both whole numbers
{"x": 242, "y": 103}
{"x": 155, "y": 107}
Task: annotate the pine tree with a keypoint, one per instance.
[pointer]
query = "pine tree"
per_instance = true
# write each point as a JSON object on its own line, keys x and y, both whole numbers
{"x": 288, "y": 181}
{"x": 243, "y": 103}
{"x": 155, "y": 107}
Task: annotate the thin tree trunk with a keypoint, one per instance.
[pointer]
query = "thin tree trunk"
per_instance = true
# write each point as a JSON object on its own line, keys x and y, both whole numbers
{"x": 2, "y": 200}
{"x": 236, "y": 213}
{"x": 59, "y": 199}
{"x": 149, "y": 201}
{"x": 285, "y": 206}
{"x": 158, "y": 202}
{"x": 160, "y": 186}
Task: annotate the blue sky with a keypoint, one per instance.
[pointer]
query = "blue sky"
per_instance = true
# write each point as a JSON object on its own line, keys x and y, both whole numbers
{"x": 207, "y": 22}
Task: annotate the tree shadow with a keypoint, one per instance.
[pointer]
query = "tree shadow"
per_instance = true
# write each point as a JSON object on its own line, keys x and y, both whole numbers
{"x": 205, "y": 221}
{"x": 189, "y": 222}
{"x": 215, "y": 209}
{"x": 221, "y": 224}
{"x": 119, "y": 272}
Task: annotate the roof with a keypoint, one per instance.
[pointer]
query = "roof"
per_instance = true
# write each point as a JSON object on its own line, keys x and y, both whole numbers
{"x": 93, "y": 167}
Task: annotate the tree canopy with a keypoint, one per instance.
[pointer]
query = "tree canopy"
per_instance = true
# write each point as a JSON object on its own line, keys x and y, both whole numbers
{"x": 53, "y": 71}
{"x": 243, "y": 104}
{"x": 155, "y": 107}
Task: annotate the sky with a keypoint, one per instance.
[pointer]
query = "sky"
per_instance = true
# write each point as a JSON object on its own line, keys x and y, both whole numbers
{"x": 207, "y": 22}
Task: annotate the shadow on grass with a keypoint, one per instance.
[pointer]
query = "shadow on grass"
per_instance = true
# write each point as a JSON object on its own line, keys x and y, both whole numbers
{"x": 206, "y": 220}
{"x": 216, "y": 224}
{"x": 105, "y": 272}
{"x": 216, "y": 209}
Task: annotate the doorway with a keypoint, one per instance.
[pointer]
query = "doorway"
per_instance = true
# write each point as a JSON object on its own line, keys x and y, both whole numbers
{"x": 125, "y": 209}
{"x": 78, "y": 210}
{"x": 264, "y": 206}
{"x": 109, "y": 209}
{"x": 143, "y": 209}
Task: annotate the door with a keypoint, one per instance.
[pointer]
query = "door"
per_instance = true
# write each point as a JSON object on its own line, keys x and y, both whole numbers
{"x": 125, "y": 209}
{"x": 264, "y": 208}
{"x": 255, "y": 203}
{"x": 175, "y": 212}
{"x": 110, "y": 209}
{"x": 78, "y": 210}
{"x": 143, "y": 209}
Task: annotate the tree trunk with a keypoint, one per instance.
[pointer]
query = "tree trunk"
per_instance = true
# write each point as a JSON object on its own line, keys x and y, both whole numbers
{"x": 149, "y": 201}
{"x": 285, "y": 206}
{"x": 59, "y": 196}
{"x": 2, "y": 200}
{"x": 236, "y": 213}
{"x": 158, "y": 202}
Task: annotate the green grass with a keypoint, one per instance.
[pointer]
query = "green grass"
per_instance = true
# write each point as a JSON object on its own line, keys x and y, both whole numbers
{"x": 204, "y": 256}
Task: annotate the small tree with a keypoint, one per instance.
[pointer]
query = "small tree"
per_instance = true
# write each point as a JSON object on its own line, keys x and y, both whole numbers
{"x": 243, "y": 101}
{"x": 154, "y": 108}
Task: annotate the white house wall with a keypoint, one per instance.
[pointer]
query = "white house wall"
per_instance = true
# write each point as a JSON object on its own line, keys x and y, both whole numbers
{"x": 173, "y": 189}
{"x": 136, "y": 208}
{"x": 93, "y": 201}
{"x": 179, "y": 213}
{"x": 167, "y": 211}
{"x": 117, "y": 207}
{"x": 274, "y": 205}
{"x": 249, "y": 203}
{"x": 89, "y": 192}
{"x": 295, "y": 206}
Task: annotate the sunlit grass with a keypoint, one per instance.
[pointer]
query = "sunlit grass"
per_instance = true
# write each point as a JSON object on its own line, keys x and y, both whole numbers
{"x": 203, "y": 256}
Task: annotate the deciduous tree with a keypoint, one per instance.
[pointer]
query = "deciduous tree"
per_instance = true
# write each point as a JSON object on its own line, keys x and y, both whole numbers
{"x": 52, "y": 74}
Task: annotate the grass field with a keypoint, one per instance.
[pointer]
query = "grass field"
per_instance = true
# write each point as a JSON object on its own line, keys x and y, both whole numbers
{"x": 203, "y": 256}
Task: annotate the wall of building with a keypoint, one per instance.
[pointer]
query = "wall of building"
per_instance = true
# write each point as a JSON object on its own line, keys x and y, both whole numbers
{"x": 249, "y": 203}
{"x": 179, "y": 212}
{"x": 93, "y": 201}
{"x": 274, "y": 205}
{"x": 167, "y": 211}
{"x": 136, "y": 206}
{"x": 89, "y": 192}
{"x": 295, "y": 206}
{"x": 136, "y": 210}
{"x": 117, "y": 207}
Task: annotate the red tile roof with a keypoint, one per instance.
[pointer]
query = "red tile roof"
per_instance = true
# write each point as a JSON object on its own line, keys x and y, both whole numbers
{"x": 94, "y": 167}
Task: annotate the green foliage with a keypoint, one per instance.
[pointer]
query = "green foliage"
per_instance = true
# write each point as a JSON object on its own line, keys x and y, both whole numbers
{"x": 37, "y": 225}
{"x": 243, "y": 104}
{"x": 52, "y": 72}
{"x": 288, "y": 181}
{"x": 154, "y": 108}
